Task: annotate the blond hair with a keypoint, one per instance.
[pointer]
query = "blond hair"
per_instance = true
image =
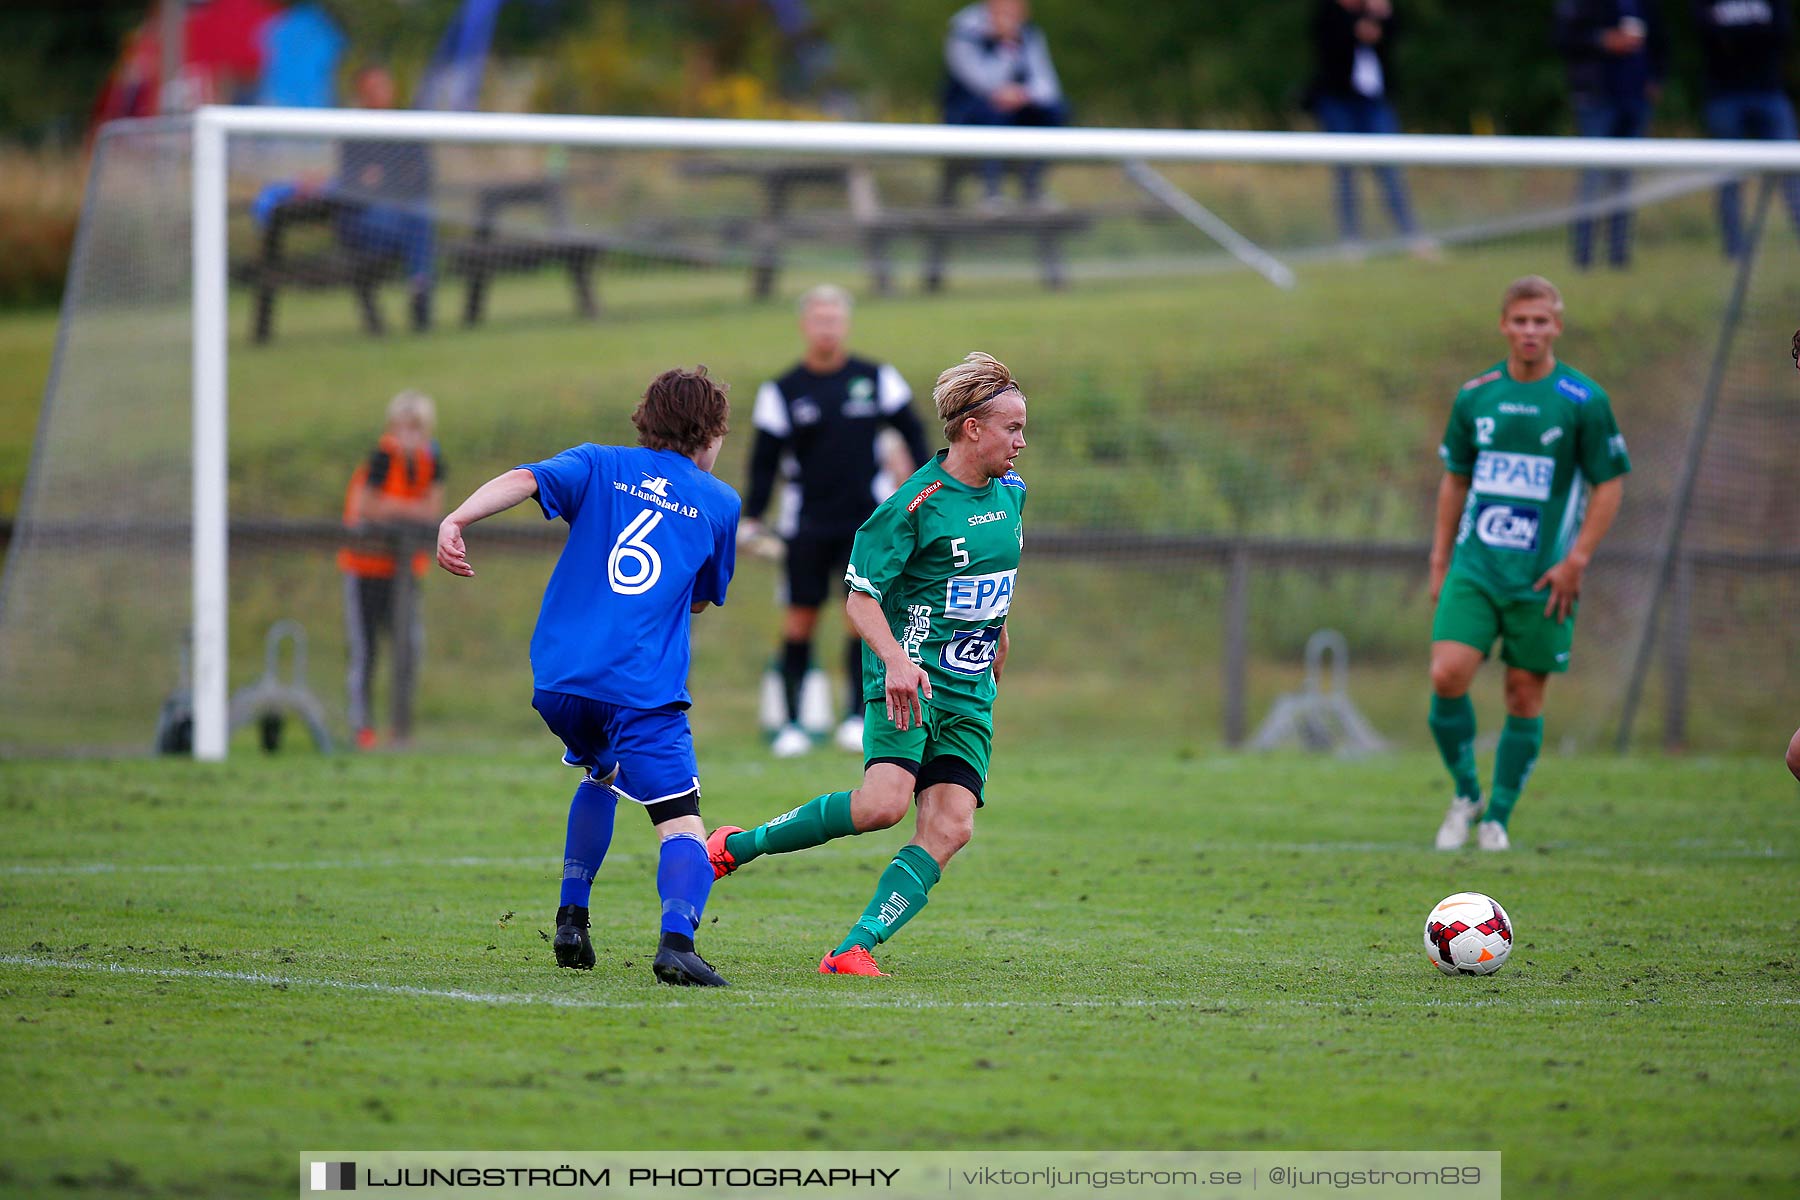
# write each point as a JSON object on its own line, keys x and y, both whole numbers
{"x": 412, "y": 407}
{"x": 1531, "y": 287}
{"x": 824, "y": 293}
{"x": 965, "y": 390}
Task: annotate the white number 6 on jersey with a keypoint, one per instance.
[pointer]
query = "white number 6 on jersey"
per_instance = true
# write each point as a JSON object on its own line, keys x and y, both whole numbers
{"x": 957, "y": 554}
{"x": 633, "y": 567}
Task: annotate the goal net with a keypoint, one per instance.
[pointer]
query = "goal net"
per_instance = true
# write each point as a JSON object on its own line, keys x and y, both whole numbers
{"x": 1237, "y": 386}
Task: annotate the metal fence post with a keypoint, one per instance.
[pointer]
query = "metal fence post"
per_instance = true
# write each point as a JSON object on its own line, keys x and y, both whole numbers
{"x": 1237, "y": 645}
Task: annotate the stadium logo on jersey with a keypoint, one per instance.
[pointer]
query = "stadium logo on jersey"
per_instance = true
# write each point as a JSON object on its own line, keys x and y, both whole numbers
{"x": 1521, "y": 476}
{"x": 971, "y": 652}
{"x": 923, "y": 496}
{"x": 1481, "y": 379}
{"x": 1507, "y": 527}
{"x": 987, "y": 518}
{"x": 1550, "y": 435}
{"x": 656, "y": 491}
{"x": 1512, "y": 409}
{"x": 1573, "y": 390}
{"x": 979, "y": 597}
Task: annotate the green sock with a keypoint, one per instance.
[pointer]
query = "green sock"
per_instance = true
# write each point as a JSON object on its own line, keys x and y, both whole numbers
{"x": 898, "y": 898}
{"x": 1520, "y": 742}
{"x": 1453, "y": 726}
{"x": 814, "y": 823}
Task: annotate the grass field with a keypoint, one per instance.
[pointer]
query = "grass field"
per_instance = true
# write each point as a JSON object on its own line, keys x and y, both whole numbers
{"x": 204, "y": 971}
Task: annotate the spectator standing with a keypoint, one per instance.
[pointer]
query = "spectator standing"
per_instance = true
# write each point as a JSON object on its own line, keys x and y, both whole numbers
{"x": 1616, "y": 54}
{"x": 1353, "y": 76}
{"x": 388, "y": 187}
{"x": 401, "y": 483}
{"x": 822, "y": 421}
{"x": 301, "y": 49}
{"x": 1743, "y": 43}
{"x": 998, "y": 72}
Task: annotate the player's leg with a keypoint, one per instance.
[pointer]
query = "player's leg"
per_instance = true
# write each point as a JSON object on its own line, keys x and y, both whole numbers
{"x": 1464, "y": 627}
{"x": 880, "y": 803}
{"x": 588, "y": 834}
{"x": 949, "y": 787}
{"x": 945, "y": 824}
{"x": 807, "y": 586}
{"x": 359, "y": 638}
{"x": 657, "y": 769}
{"x": 797, "y": 626}
{"x": 1521, "y": 739}
{"x": 1534, "y": 647}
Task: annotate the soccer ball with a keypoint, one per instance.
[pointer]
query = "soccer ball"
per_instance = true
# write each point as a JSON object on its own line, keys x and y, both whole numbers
{"x": 1468, "y": 934}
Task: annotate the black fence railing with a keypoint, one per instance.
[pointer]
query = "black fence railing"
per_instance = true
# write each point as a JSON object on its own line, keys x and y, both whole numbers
{"x": 1240, "y": 556}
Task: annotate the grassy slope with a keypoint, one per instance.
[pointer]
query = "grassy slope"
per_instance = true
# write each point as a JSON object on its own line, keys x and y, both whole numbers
{"x": 1149, "y": 952}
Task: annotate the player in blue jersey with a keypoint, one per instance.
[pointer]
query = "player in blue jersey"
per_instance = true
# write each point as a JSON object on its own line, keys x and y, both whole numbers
{"x": 652, "y": 540}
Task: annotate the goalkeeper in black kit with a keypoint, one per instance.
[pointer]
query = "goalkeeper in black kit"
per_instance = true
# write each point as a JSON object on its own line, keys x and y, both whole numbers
{"x": 819, "y": 428}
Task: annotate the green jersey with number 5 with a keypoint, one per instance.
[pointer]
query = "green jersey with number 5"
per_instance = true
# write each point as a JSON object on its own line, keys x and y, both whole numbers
{"x": 942, "y": 558}
{"x": 1530, "y": 451}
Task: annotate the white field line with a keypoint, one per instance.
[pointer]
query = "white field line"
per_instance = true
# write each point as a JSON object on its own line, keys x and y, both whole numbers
{"x": 251, "y": 868}
{"x": 838, "y": 999}
{"x": 1688, "y": 849}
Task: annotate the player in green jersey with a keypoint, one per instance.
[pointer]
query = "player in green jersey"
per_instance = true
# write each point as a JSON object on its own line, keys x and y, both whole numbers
{"x": 1533, "y": 467}
{"x": 931, "y": 581}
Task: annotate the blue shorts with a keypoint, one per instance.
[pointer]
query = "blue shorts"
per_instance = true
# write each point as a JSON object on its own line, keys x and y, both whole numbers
{"x": 652, "y": 747}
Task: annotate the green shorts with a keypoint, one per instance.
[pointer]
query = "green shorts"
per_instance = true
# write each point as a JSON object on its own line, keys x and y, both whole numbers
{"x": 1468, "y": 613}
{"x": 931, "y": 750}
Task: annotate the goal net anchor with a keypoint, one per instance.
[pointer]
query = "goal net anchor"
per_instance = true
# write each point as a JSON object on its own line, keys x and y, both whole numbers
{"x": 1320, "y": 717}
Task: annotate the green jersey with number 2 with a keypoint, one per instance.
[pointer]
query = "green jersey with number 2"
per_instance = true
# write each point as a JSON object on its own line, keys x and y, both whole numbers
{"x": 942, "y": 558}
{"x": 1530, "y": 450}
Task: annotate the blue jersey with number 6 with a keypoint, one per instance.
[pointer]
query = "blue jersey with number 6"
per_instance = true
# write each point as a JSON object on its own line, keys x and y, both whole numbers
{"x": 650, "y": 535}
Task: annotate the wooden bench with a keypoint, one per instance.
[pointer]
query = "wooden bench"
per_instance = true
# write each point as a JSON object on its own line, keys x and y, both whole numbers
{"x": 865, "y": 221}
{"x": 490, "y": 250}
{"x": 940, "y": 228}
{"x": 778, "y": 180}
{"x": 275, "y": 268}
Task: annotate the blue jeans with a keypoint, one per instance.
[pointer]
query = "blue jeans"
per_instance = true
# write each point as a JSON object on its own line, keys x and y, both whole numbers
{"x": 968, "y": 109}
{"x": 381, "y": 230}
{"x": 1360, "y": 114}
{"x": 1606, "y": 119}
{"x": 1762, "y": 116}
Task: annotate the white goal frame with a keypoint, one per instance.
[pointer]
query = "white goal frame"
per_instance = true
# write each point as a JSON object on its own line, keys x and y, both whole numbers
{"x": 213, "y": 126}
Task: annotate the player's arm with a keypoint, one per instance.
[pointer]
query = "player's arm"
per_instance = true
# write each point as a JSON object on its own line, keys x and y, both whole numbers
{"x": 1452, "y": 497}
{"x": 1000, "y": 653}
{"x": 1564, "y": 579}
{"x": 906, "y": 679}
{"x": 495, "y": 496}
{"x": 1459, "y": 453}
{"x": 769, "y": 417}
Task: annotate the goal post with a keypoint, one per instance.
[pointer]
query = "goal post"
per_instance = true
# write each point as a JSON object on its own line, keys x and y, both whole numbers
{"x": 213, "y": 127}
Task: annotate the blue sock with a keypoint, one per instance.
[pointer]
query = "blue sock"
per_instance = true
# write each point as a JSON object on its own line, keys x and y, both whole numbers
{"x": 590, "y": 833}
{"x": 684, "y": 878}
